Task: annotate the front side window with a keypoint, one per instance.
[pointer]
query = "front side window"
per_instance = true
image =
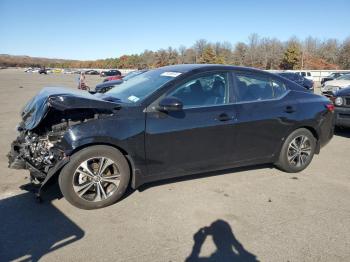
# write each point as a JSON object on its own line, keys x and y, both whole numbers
{"x": 205, "y": 90}
{"x": 254, "y": 87}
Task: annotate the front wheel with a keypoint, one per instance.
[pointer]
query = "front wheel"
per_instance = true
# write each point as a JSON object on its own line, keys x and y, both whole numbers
{"x": 95, "y": 177}
{"x": 297, "y": 151}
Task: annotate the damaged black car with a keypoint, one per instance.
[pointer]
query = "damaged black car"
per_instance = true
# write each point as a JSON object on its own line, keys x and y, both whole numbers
{"x": 167, "y": 122}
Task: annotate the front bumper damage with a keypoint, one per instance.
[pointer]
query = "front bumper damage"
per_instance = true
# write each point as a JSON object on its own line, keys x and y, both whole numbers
{"x": 18, "y": 159}
{"x": 46, "y": 118}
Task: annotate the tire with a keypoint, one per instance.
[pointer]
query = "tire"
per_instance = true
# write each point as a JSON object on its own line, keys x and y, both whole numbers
{"x": 296, "y": 155}
{"x": 85, "y": 187}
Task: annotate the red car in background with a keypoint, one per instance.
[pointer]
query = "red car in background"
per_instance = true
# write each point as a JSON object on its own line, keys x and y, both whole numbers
{"x": 110, "y": 78}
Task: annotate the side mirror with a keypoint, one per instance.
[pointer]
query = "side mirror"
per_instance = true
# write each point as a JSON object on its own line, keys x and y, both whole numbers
{"x": 170, "y": 104}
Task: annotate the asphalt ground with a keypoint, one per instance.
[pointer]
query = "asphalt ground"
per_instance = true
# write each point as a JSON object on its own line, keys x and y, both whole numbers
{"x": 244, "y": 214}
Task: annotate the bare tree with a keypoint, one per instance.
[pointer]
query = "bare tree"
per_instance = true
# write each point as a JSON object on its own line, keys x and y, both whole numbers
{"x": 199, "y": 47}
{"x": 182, "y": 54}
{"x": 240, "y": 54}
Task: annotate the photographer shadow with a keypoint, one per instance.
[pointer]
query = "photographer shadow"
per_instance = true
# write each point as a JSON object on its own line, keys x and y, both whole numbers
{"x": 30, "y": 230}
{"x": 228, "y": 247}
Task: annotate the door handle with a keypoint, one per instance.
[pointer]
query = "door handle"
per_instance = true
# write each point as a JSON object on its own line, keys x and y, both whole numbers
{"x": 289, "y": 109}
{"x": 223, "y": 117}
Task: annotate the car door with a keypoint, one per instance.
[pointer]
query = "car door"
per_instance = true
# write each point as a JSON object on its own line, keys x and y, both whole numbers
{"x": 199, "y": 137}
{"x": 265, "y": 114}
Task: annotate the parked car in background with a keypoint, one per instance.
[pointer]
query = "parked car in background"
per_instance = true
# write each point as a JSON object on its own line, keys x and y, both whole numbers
{"x": 111, "y": 78}
{"x": 126, "y": 77}
{"x": 341, "y": 100}
{"x": 43, "y": 71}
{"x": 332, "y": 86}
{"x": 91, "y": 72}
{"x": 112, "y": 72}
{"x": 332, "y": 77}
{"x": 107, "y": 85}
{"x": 306, "y": 74}
{"x": 68, "y": 71}
{"x": 57, "y": 70}
{"x": 168, "y": 122}
{"x": 28, "y": 70}
{"x": 297, "y": 78}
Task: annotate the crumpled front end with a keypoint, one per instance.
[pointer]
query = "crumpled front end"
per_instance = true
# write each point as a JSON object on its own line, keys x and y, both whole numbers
{"x": 45, "y": 120}
{"x": 37, "y": 153}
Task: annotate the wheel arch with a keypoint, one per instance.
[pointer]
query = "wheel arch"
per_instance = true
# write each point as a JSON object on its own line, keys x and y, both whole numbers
{"x": 56, "y": 170}
{"x": 315, "y": 134}
{"x": 125, "y": 153}
{"x": 307, "y": 127}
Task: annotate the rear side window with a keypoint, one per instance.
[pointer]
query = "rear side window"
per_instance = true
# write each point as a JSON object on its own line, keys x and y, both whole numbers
{"x": 255, "y": 87}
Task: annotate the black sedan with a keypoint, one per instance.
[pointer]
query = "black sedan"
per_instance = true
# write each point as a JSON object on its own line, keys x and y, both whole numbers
{"x": 342, "y": 107}
{"x": 112, "y": 72}
{"x": 167, "y": 122}
{"x": 308, "y": 84}
{"x": 92, "y": 72}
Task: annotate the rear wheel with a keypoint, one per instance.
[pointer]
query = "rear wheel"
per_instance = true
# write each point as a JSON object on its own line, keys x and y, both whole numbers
{"x": 95, "y": 177}
{"x": 297, "y": 151}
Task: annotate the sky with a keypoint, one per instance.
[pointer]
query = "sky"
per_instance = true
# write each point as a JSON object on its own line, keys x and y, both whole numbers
{"x": 100, "y": 29}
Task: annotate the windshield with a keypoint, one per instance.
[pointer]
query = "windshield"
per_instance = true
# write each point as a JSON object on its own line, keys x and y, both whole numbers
{"x": 139, "y": 87}
{"x": 132, "y": 74}
{"x": 344, "y": 77}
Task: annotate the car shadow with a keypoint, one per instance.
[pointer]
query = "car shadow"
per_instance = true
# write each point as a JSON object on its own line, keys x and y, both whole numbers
{"x": 228, "y": 248}
{"x": 344, "y": 132}
{"x": 200, "y": 175}
{"x": 30, "y": 230}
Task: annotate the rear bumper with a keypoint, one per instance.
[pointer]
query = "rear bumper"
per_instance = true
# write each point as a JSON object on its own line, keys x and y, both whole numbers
{"x": 342, "y": 116}
{"x": 325, "y": 130}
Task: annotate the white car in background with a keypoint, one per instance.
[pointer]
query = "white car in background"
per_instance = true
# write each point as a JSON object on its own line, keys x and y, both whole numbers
{"x": 306, "y": 74}
{"x": 336, "y": 84}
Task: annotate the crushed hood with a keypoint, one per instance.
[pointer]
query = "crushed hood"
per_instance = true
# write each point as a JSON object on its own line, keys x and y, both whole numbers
{"x": 63, "y": 99}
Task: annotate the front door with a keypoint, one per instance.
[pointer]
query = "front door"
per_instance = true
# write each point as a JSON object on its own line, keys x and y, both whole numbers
{"x": 198, "y": 138}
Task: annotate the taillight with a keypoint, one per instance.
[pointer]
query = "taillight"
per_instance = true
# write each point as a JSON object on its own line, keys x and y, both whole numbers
{"x": 330, "y": 107}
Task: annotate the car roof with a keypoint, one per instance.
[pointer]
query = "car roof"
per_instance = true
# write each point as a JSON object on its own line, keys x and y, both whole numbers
{"x": 184, "y": 68}
{"x": 287, "y": 73}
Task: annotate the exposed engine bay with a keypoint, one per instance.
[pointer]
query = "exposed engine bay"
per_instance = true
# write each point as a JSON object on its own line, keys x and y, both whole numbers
{"x": 45, "y": 120}
{"x": 37, "y": 152}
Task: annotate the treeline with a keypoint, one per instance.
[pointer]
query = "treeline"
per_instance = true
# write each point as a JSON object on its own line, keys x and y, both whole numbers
{"x": 259, "y": 52}
{"x": 26, "y": 61}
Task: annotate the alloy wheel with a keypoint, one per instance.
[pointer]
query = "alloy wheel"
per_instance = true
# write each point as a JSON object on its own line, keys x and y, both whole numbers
{"x": 96, "y": 179}
{"x": 299, "y": 151}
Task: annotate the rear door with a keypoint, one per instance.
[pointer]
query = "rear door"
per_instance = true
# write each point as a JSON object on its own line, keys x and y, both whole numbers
{"x": 198, "y": 138}
{"x": 265, "y": 114}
